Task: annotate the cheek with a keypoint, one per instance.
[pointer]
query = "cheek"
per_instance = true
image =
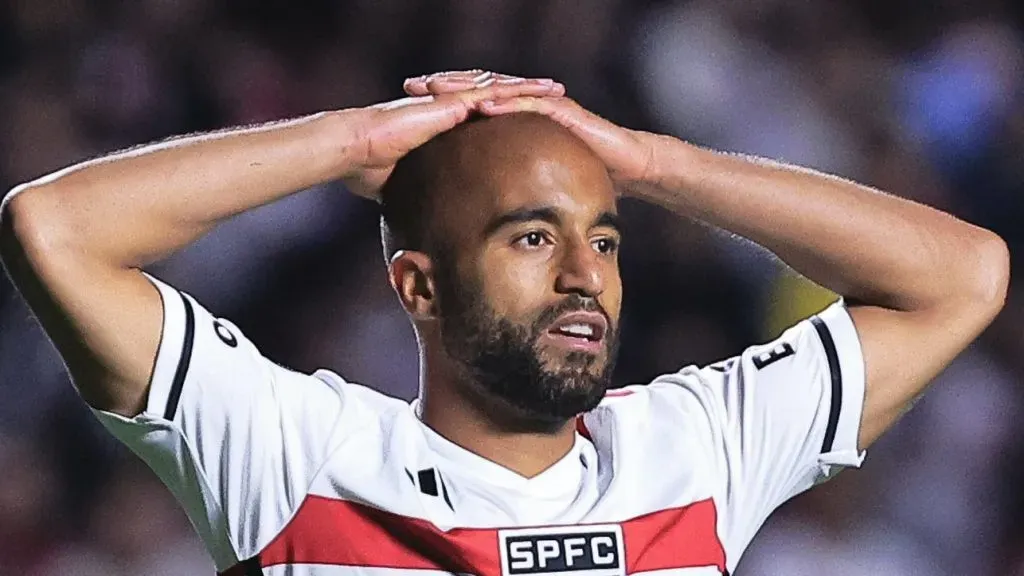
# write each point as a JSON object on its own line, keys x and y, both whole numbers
{"x": 515, "y": 291}
{"x": 611, "y": 299}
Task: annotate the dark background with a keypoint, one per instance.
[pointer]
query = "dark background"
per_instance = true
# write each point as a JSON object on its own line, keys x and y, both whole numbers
{"x": 923, "y": 99}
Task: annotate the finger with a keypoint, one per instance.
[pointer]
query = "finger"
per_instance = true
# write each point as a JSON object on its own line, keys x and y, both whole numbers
{"x": 544, "y": 86}
{"x": 403, "y": 102}
{"x": 447, "y": 74}
{"x": 447, "y": 82}
{"x": 565, "y": 111}
{"x": 443, "y": 82}
{"x": 499, "y": 106}
{"x": 438, "y": 85}
{"x": 504, "y": 88}
{"x": 428, "y": 115}
{"x": 445, "y": 111}
{"x": 447, "y": 85}
{"x": 488, "y": 90}
{"x": 495, "y": 90}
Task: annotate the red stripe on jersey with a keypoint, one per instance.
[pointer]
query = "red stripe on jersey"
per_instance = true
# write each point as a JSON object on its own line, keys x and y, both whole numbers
{"x": 685, "y": 537}
{"x": 618, "y": 393}
{"x": 581, "y": 427}
{"x": 329, "y": 531}
{"x": 339, "y": 532}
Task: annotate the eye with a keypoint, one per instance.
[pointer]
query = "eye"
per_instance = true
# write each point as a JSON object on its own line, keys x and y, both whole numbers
{"x": 533, "y": 239}
{"x": 606, "y": 245}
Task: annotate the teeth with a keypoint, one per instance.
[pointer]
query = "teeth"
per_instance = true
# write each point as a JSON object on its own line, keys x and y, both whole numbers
{"x": 584, "y": 330}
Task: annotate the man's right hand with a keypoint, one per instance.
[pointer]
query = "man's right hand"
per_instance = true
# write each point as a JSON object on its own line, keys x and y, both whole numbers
{"x": 381, "y": 134}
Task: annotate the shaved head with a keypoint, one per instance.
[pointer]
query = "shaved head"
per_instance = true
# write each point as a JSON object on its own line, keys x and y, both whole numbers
{"x": 472, "y": 158}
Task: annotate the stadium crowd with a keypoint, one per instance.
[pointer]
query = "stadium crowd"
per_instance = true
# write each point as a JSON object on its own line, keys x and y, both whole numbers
{"x": 922, "y": 99}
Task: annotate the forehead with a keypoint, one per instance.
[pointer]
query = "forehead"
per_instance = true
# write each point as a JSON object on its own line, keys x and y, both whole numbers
{"x": 567, "y": 180}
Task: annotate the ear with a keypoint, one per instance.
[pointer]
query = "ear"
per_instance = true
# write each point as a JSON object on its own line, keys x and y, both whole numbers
{"x": 412, "y": 276}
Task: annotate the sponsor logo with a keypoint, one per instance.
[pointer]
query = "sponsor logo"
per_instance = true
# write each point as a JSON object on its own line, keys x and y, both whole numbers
{"x": 591, "y": 550}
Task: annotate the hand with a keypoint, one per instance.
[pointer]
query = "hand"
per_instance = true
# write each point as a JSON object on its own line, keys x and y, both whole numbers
{"x": 383, "y": 133}
{"x": 628, "y": 154}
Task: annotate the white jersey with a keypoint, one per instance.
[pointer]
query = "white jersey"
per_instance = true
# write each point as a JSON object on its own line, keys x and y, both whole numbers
{"x": 283, "y": 473}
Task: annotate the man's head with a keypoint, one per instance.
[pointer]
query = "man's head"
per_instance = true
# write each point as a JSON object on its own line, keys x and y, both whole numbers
{"x": 502, "y": 240}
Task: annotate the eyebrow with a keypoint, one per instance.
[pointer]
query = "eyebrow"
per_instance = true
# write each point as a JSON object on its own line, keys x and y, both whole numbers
{"x": 545, "y": 214}
{"x": 609, "y": 220}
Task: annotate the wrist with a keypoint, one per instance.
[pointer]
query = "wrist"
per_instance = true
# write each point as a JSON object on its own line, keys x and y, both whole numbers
{"x": 335, "y": 137}
{"x": 671, "y": 161}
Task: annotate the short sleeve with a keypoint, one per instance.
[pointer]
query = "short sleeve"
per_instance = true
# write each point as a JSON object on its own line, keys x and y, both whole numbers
{"x": 236, "y": 438}
{"x": 777, "y": 419}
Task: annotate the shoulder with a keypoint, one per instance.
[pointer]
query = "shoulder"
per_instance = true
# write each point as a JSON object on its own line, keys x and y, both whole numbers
{"x": 673, "y": 392}
{"x": 670, "y": 404}
{"x": 358, "y": 397}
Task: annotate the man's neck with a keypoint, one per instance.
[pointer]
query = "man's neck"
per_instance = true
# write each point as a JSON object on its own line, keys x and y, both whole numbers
{"x": 463, "y": 423}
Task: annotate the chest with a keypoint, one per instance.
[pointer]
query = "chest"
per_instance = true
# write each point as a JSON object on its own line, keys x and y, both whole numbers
{"x": 404, "y": 519}
{"x": 363, "y": 539}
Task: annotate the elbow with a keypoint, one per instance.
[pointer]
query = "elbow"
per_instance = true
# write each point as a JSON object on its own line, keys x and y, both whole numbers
{"x": 30, "y": 221}
{"x": 989, "y": 275}
{"x": 14, "y": 219}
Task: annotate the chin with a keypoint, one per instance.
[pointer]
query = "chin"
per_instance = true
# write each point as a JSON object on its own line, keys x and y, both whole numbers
{"x": 576, "y": 393}
{"x": 573, "y": 363}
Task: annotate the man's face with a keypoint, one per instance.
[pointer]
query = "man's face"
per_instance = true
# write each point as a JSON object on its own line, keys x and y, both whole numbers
{"x": 530, "y": 293}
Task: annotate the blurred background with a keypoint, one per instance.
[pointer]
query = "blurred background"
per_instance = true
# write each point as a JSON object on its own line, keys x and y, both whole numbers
{"x": 923, "y": 99}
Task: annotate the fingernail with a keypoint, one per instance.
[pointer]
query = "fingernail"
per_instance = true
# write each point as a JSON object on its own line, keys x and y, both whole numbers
{"x": 546, "y": 81}
{"x": 487, "y": 104}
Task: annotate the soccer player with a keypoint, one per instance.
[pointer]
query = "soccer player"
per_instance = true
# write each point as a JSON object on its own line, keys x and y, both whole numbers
{"x": 500, "y": 229}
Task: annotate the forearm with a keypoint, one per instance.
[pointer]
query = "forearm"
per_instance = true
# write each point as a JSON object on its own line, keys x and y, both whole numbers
{"x": 859, "y": 242}
{"x": 134, "y": 207}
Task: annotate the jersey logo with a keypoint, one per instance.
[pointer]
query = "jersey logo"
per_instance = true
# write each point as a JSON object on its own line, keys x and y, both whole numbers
{"x": 595, "y": 550}
{"x": 427, "y": 481}
{"x": 224, "y": 334}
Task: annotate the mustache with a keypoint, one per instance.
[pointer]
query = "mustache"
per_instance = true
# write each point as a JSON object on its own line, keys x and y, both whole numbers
{"x": 573, "y": 303}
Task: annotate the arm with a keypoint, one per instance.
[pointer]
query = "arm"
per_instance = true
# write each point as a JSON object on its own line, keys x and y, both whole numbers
{"x": 72, "y": 241}
{"x": 925, "y": 284}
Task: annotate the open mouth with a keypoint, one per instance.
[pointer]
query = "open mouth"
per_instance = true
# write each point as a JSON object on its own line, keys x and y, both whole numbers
{"x": 579, "y": 330}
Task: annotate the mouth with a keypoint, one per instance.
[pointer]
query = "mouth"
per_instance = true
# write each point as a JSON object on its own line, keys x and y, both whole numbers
{"x": 583, "y": 331}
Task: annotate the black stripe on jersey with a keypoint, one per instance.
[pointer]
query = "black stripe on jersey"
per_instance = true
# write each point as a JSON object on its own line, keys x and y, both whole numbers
{"x": 837, "y": 383}
{"x": 444, "y": 492}
{"x": 428, "y": 484}
{"x": 251, "y": 567}
{"x": 186, "y": 356}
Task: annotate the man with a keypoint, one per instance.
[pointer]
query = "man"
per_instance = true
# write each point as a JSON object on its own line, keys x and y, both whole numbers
{"x": 501, "y": 237}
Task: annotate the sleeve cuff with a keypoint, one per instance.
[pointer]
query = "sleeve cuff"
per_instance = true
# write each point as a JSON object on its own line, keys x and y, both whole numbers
{"x": 846, "y": 362}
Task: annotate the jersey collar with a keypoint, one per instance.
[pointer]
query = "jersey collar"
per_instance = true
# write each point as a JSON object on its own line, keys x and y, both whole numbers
{"x": 562, "y": 478}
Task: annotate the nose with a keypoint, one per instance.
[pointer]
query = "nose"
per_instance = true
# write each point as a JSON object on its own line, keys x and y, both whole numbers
{"x": 580, "y": 271}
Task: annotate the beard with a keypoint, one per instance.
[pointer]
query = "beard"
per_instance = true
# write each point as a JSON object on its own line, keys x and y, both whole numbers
{"x": 503, "y": 359}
